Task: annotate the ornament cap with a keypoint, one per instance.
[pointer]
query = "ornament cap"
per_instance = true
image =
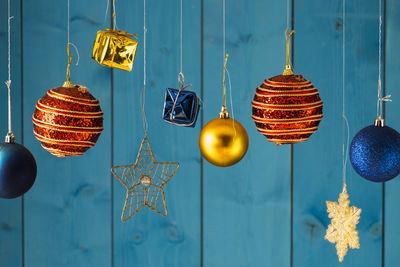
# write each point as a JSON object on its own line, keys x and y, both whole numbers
{"x": 224, "y": 113}
{"x": 379, "y": 122}
{"x": 288, "y": 70}
{"x": 10, "y": 138}
{"x": 68, "y": 84}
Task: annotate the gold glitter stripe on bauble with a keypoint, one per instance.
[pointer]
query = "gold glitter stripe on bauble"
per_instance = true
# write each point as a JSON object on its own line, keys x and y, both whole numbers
{"x": 283, "y": 84}
{"x": 66, "y": 130}
{"x": 288, "y": 120}
{"x": 286, "y": 140}
{"x": 290, "y": 105}
{"x": 63, "y": 142}
{"x": 287, "y": 95}
{"x": 260, "y": 105}
{"x": 69, "y": 111}
{"x": 65, "y": 126}
{"x": 62, "y": 153}
{"x": 285, "y": 122}
{"x": 72, "y": 101}
{"x": 87, "y": 115}
{"x": 73, "y": 97}
{"x": 290, "y": 90}
{"x": 288, "y": 131}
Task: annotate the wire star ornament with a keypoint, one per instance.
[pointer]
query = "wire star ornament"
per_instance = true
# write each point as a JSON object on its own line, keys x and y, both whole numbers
{"x": 144, "y": 182}
{"x": 342, "y": 229}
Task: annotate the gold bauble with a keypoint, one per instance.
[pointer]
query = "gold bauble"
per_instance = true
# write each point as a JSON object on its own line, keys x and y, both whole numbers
{"x": 223, "y": 141}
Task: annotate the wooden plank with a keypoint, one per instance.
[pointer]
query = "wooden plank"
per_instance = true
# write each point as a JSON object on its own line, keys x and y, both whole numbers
{"x": 317, "y": 162}
{"x": 10, "y": 216}
{"x": 148, "y": 239}
{"x": 246, "y": 206}
{"x": 67, "y": 213}
{"x": 392, "y": 213}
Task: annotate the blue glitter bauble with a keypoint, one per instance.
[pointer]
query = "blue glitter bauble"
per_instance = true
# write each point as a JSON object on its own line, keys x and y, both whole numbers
{"x": 375, "y": 153}
{"x": 17, "y": 170}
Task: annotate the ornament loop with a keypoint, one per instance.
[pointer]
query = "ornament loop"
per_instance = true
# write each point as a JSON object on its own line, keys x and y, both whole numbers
{"x": 288, "y": 67}
{"x": 223, "y": 82}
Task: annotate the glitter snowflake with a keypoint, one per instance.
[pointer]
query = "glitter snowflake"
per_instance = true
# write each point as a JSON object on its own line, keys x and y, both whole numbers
{"x": 342, "y": 229}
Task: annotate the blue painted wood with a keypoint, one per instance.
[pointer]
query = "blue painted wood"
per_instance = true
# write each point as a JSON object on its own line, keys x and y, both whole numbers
{"x": 67, "y": 213}
{"x": 148, "y": 239}
{"x": 246, "y": 206}
{"x": 72, "y": 214}
{"x": 317, "y": 162}
{"x": 392, "y": 213}
{"x": 10, "y": 217}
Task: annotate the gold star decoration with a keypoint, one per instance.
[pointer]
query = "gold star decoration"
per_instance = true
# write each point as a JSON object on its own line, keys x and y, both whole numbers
{"x": 342, "y": 229}
{"x": 144, "y": 182}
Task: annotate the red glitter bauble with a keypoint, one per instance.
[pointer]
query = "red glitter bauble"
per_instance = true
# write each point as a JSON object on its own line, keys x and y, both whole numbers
{"x": 287, "y": 109}
{"x": 67, "y": 121}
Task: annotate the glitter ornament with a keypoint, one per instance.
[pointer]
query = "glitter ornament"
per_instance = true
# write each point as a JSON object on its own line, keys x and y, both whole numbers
{"x": 287, "y": 108}
{"x": 344, "y": 220}
{"x": 375, "y": 152}
{"x": 68, "y": 120}
{"x": 223, "y": 141}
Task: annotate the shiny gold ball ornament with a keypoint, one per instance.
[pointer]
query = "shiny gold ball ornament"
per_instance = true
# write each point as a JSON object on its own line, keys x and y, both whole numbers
{"x": 223, "y": 141}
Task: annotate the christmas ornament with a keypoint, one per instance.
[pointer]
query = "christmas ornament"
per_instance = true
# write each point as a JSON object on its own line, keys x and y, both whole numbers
{"x": 67, "y": 120}
{"x": 17, "y": 164}
{"x": 287, "y": 108}
{"x": 114, "y": 48}
{"x": 181, "y": 107}
{"x": 223, "y": 141}
{"x": 375, "y": 152}
{"x": 342, "y": 229}
{"x": 344, "y": 218}
{"x": 144, "y": 182}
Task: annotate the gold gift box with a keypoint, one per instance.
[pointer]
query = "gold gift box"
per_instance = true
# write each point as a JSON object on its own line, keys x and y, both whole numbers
{"x": 115, "y": 49}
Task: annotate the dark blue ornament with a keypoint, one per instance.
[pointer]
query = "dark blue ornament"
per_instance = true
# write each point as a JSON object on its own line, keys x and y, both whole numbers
{"x": 186, "y": 108}
{"x": 375, "y": 153}
{"x": 17, "y": 170}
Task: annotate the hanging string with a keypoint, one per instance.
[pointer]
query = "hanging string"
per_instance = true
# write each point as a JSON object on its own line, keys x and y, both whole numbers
{"x": 181, "y": 39}
{"x": 143, "y": 93}
{"x": 288, "y": 14}
{"x": 8, "y": 82}
{"x": 345, "y": 123}
{"x": 69, "y": 56}
{"x": 223, "y": 29}
{"x": 380, "y": 100}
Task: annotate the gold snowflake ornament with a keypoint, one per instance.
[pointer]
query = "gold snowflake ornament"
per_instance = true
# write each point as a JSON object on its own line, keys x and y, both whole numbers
{"x": 144, "y": 182}
{"x": 342, "y": 229}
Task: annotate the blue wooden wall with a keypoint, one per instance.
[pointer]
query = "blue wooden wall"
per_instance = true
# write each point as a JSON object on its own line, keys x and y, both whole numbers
{"x": 269, "y": 209}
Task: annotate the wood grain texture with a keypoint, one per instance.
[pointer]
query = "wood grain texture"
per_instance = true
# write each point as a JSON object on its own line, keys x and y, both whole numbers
{"x": 246, "y": 206}
{"x": 11, "y": 229}
{"x": 318, "y": 162}
{"x": 148, "y": 239}
{"x": 392, "y": 188}
{"x": 67, "y": 212}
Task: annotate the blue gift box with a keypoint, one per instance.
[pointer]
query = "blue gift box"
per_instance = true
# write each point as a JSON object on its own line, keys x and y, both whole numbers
{"x": 186, "y": 108}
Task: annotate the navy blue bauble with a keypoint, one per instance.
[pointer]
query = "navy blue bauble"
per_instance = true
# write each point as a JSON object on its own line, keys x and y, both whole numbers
{"x": 375, "y": 153}
{"x": 17, "y": 170}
